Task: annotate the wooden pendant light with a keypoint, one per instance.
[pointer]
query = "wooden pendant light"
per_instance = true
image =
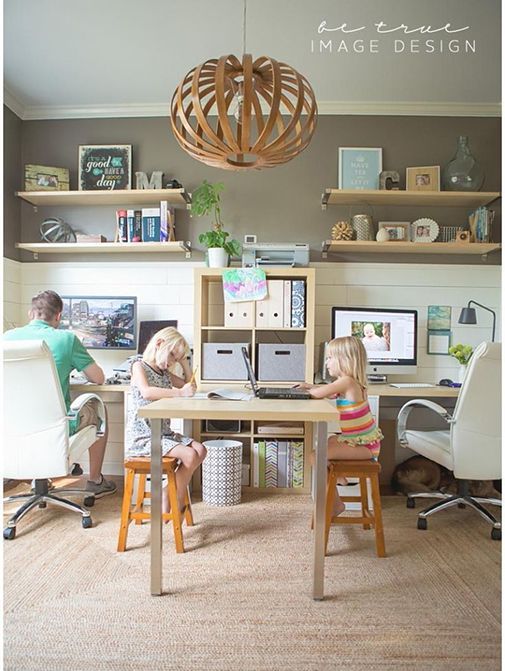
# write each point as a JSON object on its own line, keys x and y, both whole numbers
{"x": 242, "y": 115}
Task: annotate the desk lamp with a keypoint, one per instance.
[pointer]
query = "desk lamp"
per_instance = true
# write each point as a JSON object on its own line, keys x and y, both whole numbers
{"x": 468, "y": 316}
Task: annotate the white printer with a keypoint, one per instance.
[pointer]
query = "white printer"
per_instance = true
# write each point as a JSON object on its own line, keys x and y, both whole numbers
{"x": 255, "y": 254}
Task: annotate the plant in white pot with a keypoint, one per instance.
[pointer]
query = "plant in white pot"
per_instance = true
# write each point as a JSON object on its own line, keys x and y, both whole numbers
{"x": 206, "y": 199}
{"x": 462, "y": 354}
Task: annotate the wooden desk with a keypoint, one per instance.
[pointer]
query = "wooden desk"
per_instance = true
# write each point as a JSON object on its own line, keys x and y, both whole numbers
{"x": 317, "y": 411}
{"x": 412, "y": 392}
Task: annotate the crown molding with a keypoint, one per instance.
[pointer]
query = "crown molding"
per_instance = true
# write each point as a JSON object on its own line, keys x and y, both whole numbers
{"x": 377, "y": 108}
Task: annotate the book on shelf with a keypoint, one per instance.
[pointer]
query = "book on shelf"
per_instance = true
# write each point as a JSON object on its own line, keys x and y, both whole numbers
{"x": 255, "y": 463}
{"x": 279, "y": 429}
{"x": 282, "y": 463}
{"x": 134, "y": 222}
{"x": 277, "y": 463}
{"x": 298, "y": 303}
{"x": 121, "y": 226}
{"x": 167, "y": 222}
{"x": 223, "y": 395}
{"x": 261, "y": 462}
{"x": 150, "y": 224}
{"x": 271, "y": 463}
{"x": 287, "y": 304}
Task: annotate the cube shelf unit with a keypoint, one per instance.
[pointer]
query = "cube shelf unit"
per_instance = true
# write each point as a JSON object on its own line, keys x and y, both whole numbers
{"x": 209, "y": 328}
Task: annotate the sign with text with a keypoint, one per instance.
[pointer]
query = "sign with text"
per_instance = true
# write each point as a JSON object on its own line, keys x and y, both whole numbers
{"x": 105, "y": 167}
{"x": 359, "y": 167}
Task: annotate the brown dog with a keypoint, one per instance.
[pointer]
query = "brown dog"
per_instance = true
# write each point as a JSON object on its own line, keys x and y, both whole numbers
{"x": 419, "y": 474}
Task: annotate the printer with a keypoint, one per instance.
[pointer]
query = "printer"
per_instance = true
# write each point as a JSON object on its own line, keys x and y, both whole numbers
{"x": 256, "y": 254}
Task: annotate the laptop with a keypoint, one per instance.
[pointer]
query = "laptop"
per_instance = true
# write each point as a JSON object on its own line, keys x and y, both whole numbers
{"x": 271, "y": 392}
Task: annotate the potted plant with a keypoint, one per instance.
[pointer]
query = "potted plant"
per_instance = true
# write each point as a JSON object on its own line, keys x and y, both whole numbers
{"x": 206, "y": 199}
{"x": 462, "y": 354}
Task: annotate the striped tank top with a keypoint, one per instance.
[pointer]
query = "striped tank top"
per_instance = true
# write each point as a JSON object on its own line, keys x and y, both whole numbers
{"x": 357, "y": 423}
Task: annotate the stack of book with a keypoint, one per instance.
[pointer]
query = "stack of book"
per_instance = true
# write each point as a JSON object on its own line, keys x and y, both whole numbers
{"x": 150, "y": 224}
{"x": 481, "y": 222}
{"x": 277, "y": 463}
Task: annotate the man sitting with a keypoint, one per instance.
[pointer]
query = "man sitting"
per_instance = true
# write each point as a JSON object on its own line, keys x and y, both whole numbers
{"x": 68, "y": 354}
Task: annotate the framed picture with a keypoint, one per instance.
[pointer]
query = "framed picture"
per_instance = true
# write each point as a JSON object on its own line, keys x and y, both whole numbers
{"x": 359, "y": 167}
{"x": 105, "y": 167}
{"x": 46, "y": 178}
{"x": 438, "y": 342}
{"x": 439, "y": 317}
{"x": 398, "y": 231}
{"x": 425, "y": 178}
{"x": 424, "y": 230}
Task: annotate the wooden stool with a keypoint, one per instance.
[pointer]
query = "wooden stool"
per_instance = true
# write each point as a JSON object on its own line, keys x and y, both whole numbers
{"x": 364, "y": 470}
{"x": 141, "y": 466}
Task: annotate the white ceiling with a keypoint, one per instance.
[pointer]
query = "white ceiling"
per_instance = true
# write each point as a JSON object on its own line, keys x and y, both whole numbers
{"x": 69, "y": 58}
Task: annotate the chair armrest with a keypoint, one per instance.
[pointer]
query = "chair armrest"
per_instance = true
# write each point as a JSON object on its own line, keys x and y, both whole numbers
{"x": 81, "y": 400}
{"x": 403, "y": 415}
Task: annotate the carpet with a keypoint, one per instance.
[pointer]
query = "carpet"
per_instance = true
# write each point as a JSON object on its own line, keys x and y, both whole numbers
{"x": 240, "y": 597}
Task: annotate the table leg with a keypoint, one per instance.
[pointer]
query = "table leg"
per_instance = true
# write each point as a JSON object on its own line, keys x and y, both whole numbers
{"x": 156, "y": 538}
{"x": 321, "y": 449}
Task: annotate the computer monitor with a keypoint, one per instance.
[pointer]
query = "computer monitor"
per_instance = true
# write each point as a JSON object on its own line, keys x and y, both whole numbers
{"x": 389, "y": 336}
{"x": 148, "y": 328}
{"x": 101, "y": 322}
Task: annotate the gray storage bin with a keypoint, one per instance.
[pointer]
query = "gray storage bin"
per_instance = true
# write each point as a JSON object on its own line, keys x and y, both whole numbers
{"x": 223, "y": 361}
{"x": 281, "y": 362}
{"x": 222, "y": 473}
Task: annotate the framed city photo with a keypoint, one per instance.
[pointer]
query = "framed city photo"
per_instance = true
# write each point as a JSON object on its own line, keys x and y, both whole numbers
{"x": 105, "y": 167}
{"x": 425, "y": 178}
{"x": 398, "y": 231}
{"x": 359, "y": 167}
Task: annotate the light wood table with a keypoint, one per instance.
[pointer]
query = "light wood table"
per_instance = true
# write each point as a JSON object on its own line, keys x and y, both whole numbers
{"x": 319, "y": 412}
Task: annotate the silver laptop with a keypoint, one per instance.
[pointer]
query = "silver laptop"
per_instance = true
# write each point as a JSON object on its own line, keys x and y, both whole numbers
{"x": 271, "y": 392}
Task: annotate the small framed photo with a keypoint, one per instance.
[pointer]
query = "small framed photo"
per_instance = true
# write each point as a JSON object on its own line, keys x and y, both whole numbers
{"x": 359, "y": 167}
{"x": 438, "y": 342}
{"x": 105, "y": 167}
{"x": 424, "y": 230}
{"x": 46, "y": 178}
{"x": 425, "y": 178}
{"x": 398, "y": 231}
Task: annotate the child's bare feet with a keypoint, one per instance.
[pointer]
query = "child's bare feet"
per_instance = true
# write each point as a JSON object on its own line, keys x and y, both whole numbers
{"x": 338, "y": 508}
{"x": 342, "y": 481}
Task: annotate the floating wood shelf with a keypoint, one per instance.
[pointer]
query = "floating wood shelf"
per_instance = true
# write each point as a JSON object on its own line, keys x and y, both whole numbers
{"x": 127, "y": 197}
{"x": 367, "y": 247}
{"x": 470, "y": 200}
{"x": 105, "y": 247}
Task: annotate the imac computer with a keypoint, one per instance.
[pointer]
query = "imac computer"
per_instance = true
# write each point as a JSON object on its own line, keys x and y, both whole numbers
{"x": 389, "y": 337}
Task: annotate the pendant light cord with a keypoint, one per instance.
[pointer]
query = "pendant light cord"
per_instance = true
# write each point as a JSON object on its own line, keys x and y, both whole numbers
{"x": 244, "y": 28}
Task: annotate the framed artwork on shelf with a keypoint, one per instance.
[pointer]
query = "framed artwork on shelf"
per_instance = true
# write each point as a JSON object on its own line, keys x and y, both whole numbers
{"x": 424, "y": 230}
{"x": 425, "y": 178}
{"x": 438, "y": 342}
{"x": 105, "y": 167}
{"x": 398, "y": 231}
{"x": 359, "y": 167}
{"x": 46, "y": 178}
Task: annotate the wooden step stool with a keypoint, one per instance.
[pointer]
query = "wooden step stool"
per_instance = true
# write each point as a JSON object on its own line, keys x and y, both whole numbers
{"x": 141, "y": 466}
{"x": 364, "y": 470}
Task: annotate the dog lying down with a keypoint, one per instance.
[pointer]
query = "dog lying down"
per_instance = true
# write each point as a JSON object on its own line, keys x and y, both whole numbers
{"x": 419, "y": 474}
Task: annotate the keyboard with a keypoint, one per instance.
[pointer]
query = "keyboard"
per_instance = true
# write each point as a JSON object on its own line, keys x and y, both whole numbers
{"x": 411, "y": 385}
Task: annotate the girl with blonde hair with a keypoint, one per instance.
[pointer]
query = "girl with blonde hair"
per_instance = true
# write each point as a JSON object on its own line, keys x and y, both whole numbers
{"x": 152, "y": 378}
{"x": 360, "y": 436}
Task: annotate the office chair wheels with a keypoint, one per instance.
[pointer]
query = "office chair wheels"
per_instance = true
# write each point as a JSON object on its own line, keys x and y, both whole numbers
{"x": 495, "y": 534}
{"x": 76, "y": 470}
{"x": 87, "y": 522}
{"x": 411, "y": 503}
{"x": 422, "y": 523}
{"x": 10, "y": 533}
{"x": 89, "y": 501}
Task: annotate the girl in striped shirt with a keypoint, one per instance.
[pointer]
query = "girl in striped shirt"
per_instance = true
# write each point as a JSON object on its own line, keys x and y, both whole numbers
{"x": 360, "y": 436}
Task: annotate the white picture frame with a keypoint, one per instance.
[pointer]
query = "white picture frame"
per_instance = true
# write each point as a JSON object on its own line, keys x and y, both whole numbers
{"x": 359, "y": 168}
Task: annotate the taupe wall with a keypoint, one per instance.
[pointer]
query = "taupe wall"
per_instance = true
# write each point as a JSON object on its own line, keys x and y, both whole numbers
{"x": 280, "y": 204}
{"x": 12, "y": 182}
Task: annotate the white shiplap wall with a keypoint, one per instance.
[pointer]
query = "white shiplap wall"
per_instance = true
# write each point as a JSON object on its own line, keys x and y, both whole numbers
{"x": 165, "y": 291}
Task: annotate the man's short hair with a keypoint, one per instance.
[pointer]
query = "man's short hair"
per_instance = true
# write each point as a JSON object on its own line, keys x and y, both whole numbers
{"x": 46, "y": 305}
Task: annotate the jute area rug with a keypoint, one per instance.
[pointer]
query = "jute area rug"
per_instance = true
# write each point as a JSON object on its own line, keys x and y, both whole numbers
{"x": 240, "y": 597}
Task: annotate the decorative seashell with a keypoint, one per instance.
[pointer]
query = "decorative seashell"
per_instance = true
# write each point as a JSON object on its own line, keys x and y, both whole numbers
{"x": 342, "y": 230}
{"x": 382, "y": 235}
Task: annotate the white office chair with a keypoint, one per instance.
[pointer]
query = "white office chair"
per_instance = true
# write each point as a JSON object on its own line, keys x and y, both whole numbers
{"x": 36, "y": 441}
{"x": 471, "y": 446}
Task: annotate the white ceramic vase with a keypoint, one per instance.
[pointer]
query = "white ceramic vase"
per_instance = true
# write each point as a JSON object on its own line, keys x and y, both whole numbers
{"x": 461, "y": 373}
{"x": 217, "y": 257}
